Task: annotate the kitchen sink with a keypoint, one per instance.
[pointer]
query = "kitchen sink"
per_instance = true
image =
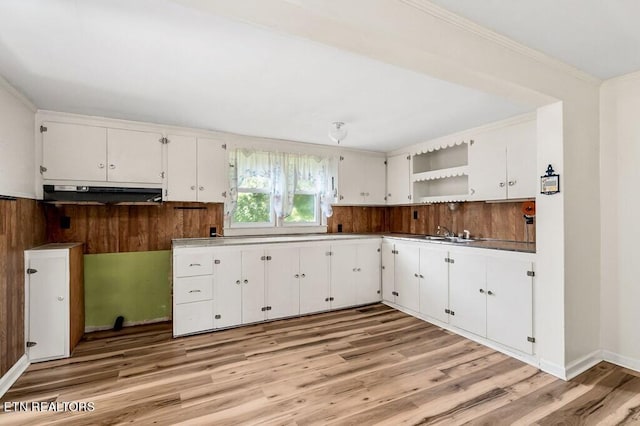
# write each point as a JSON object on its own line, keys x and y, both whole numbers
{"x": 434, "y": 238}
{"x": 447, "y": 239}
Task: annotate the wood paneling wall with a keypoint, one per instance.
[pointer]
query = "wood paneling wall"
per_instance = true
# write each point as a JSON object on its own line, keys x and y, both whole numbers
{"x": 114, "y": 229}
{"x": 359, "y": 219}
{"x": 503, "y": 221}
{"x": 21, "y": 228}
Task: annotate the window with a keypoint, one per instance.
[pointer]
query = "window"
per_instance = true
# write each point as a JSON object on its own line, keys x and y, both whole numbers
{"x": 271, "y": 189}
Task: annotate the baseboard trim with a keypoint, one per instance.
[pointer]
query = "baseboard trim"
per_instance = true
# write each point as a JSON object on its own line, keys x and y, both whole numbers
{"x": 13, "y": 374}
{"x": 553, "y": 369}
{"x": 581, "y": 365}
{"x": 93, "y": 328}
{"x": 621, "y": 360}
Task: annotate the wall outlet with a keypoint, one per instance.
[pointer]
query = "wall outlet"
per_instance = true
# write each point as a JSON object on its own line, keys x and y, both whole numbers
{"x": 65, "y": 222}
{"x": 213, "y": 231}
{"x": 339, "y": 227}
{"x": 415, "y": 215}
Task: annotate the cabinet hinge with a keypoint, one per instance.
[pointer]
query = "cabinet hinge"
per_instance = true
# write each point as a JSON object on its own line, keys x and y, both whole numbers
{"x": 42, "y": 169}
{"x": 395, "y": 293}
{"x": 452, "y": 313}
{"x": 385, "y": 198}
{"x": 163, "y": 140}
{"x": 341, "y": 158}
{"x": 471, "y": 142}
{"x": 166, "y": 192}
{"x": 329, "y": 253}
{"x": 331, "y": 299}
{"x": 408, "y": 157}
{"x": 31, "y": 271}
{"x": 268, "y": 308}
{"x": 531, "y": 339}
{"x": 224, "y": 146}
{"x": 31, "y": 344}
{"x": 385, "y": 162}
{"x": 394, "y": 252}
{"x": 162, "y": 175}
{"x": 268, "y": 257}
{"x": 263, "y": 257}
{"x": 447, "y": 311}
{"x": 218, "y": 316}
{"x": 409, "y": 196}
{"x": 216, "y": 262}
{"x": 531, "y": 273}
{"x": 264, "y": 308}
{"x": 224, "y": 194}
{"x": 449, "y": 260}
{"x": 43, "y": 129}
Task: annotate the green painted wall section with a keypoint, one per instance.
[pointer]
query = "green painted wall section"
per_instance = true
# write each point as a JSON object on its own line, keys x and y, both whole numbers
{"x": 135, "y": 285}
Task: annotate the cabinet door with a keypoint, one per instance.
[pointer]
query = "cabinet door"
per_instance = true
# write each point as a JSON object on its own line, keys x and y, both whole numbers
{"x": 406, "y": 276}
{"x": 227, "y": 288}
{"x": 374, "y": 179}
{"x": 253, "y": 286}
{"x": 488, "y": 167}
{"x": 134, "y": 157}
{"x": 522, "y": 179}
{"x": 467, "y": 292}
{"x": 181, "y": 173}
{"x": 388, "y": 272}
{"x": 212, "y": 171}
{"x": 510, "y": 303}
{"x": 282, "y": 282}
{"x": 74, "y": 152}
{"x": 48, "y": 307}
{"x": 434, "y": 283}
{"x": 398, "y": 179}
{"x": 351, "y": 174}
{"x": 315, "y": 285}
{"x": 344, "y": 275}
{"x": 368, "y": 273}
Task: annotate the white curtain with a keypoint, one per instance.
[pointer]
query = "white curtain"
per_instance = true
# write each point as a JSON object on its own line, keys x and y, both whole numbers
{"x": 282, "y": 174}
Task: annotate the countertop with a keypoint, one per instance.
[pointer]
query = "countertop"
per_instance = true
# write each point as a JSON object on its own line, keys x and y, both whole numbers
{"x": 484, "y": 243}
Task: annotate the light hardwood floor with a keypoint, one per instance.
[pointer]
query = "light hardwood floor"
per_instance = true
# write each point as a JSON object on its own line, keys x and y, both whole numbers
{"x": 356, "y": 366}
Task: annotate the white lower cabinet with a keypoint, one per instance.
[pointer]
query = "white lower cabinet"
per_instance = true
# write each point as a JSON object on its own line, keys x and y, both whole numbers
{"x": 225, "y": 287}
{"x": 485, "y": 292}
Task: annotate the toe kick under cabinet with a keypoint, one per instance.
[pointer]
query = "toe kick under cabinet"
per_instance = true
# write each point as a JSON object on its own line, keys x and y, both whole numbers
{"x": 221, "y": 287}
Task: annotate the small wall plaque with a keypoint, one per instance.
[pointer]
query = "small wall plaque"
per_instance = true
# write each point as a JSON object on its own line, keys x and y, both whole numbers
{"x": 550, "y": 182}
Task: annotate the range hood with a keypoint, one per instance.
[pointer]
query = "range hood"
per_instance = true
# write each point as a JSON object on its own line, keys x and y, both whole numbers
{"x": 101, "y": 194}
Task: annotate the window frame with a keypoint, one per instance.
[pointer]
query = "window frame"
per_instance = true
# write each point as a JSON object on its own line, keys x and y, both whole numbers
{"x": 316, "y": 209}
{"x": 272, "y": 219}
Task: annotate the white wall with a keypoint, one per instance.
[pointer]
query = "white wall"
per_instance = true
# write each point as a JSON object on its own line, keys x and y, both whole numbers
{"x": 620, "y": 166}
{"x": 17, "y": 155}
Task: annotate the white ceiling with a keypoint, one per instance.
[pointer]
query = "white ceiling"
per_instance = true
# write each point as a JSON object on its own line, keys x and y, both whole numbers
{"x": 154, "y": 60}
{"x": 599, "y": 37}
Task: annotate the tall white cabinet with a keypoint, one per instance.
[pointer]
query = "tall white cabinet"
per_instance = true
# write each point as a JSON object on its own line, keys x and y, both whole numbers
{"x": 55, "y": 300}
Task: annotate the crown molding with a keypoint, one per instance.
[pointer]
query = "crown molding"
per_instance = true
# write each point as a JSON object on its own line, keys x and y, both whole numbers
{"x": 499, "y": 39}
{"x": 625, "y": 78}
{"x": 17, "y": 94}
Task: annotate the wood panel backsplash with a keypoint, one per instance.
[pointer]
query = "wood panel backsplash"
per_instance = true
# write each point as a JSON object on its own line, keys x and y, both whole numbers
{"x": 359, "y": 219}
{"x": 114, "y": 229}
{"x": 21, "y": 228}
{"x": 503, "y": 221}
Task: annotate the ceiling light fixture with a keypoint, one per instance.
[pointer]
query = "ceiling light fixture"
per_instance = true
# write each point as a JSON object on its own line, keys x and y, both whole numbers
{"x": 337, "y": 131}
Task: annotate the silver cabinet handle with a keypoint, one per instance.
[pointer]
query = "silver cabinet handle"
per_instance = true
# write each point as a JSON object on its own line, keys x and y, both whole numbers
{"x": 303, "y": 275}
{"x": 342, "y": 197}
{"x": 366, "y": 194}
{"x": 472, "y": 191}
{"x": 194, "y": 264}
{"x": 238, "y": 282}
{"x": 194, "y": 291}
{"x": 60, "y": 298}
{"x": 415, "y": 275}
{"x": 101, "y": 165}
{"x": 193, "y": 187}
{"x": 490, "y": 293}
{"x": 112, "y": 166}
{"x": 501, "y": 184}
{"x": 359, "y": 269}
{"x": 246, "y": 281}
{"x": 481, "y": 290}
{"x": 297, "y": 275}
{"x": 512, "y": 182}
{"x": 421, "y": 276}
{"x": 355, "y": 269}
{"x": 201, "y": 188}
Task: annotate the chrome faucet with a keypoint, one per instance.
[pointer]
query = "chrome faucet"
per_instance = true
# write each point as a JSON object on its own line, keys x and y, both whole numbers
{"x": 447, "y": 233}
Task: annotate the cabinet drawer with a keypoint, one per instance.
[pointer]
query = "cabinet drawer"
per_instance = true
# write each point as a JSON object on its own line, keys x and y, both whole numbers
{"x": 192, "y": 264}
{"x": 192, "y": 317}
{"x": 192, "y": 289}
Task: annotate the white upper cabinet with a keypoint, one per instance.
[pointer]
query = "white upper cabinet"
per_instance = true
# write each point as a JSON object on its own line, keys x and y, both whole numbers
{"x": 362, "y": 179}
{"x": 502, "y": 163}
{"x": 74, "y": 152}
{"x": 196, "y": 169}
{"x": 212, "y": 167}
{"x": 399, "y": 179}
{"x": 134, "y": 156}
